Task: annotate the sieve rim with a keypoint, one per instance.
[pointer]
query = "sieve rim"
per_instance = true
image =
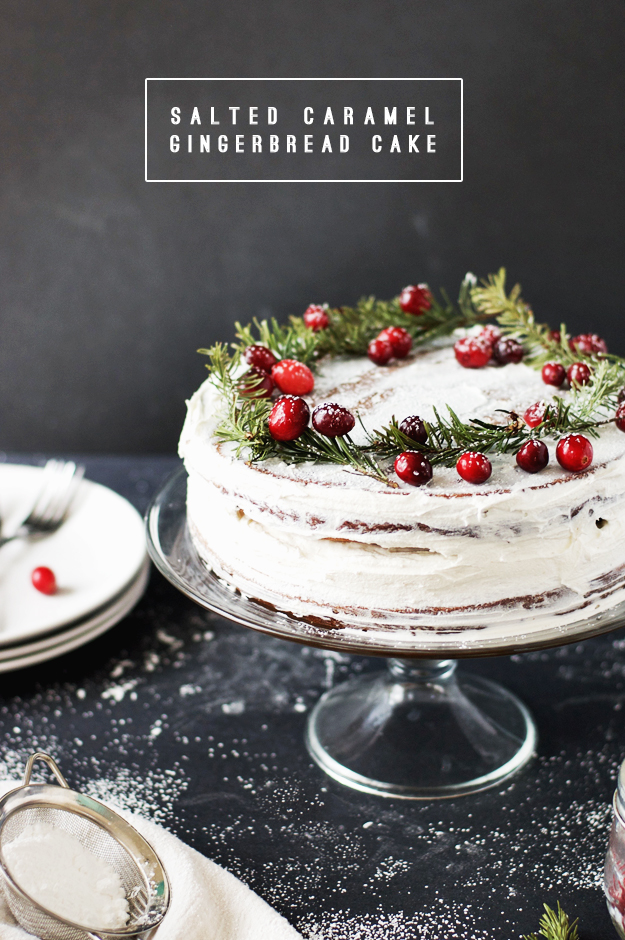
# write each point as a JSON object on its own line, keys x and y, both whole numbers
{"x": 67, "y": 800}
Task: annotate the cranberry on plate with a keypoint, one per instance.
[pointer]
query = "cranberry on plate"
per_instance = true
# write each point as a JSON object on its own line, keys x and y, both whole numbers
{"x": 332, "y": 420}
{"x": 293, "y": 377}
{"x": 414, "y": 428}
{"x": 533, "y": 456}
{"x": 316, "y": 318}
{"x": 415, "y": 299}
{"x": 260, "y": 357}
{"x": 574, "y": 452}
{"x": 474, "y": 467}
{"x": 553, "y": 373}
{"x": 413, "y": 467}
{"x": 289, "y": 418}
{"x": 473, "y": 352}
{"x": 44, "y": 580}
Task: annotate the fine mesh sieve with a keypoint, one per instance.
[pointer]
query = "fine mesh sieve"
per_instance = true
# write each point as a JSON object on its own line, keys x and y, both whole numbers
{"x": 103, "y": 833}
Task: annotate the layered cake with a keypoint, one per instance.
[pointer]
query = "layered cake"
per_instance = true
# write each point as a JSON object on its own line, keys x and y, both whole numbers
{"x": 336, "y": 546}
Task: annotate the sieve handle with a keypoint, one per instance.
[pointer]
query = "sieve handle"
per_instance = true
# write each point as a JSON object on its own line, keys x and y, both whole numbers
{"x": 52, "y": 764}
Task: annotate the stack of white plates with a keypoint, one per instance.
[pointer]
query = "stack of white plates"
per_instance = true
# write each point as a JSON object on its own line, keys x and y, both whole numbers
{"x": 98, "y": 557}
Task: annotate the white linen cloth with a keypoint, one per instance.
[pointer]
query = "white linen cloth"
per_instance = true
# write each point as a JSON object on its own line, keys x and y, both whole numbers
{"x": 207, "y": 902}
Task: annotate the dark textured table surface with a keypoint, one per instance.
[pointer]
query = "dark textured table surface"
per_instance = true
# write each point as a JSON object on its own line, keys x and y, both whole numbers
{"x": 199, "y": 723}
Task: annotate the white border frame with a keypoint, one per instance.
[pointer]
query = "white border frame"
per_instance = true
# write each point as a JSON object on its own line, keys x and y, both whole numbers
{"x": 307, "y": 80}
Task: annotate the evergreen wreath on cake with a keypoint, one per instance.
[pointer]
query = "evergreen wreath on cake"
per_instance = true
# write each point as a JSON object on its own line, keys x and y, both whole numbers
{"x": 272, "y": 441}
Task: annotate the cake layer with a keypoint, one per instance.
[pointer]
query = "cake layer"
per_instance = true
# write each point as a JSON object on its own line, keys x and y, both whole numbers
{"x": 320, "y": 541}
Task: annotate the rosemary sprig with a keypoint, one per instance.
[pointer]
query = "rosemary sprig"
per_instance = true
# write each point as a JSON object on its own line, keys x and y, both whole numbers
{"x": 555, "y": 926}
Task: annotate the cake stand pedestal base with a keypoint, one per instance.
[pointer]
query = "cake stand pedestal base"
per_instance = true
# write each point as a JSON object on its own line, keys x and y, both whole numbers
{"x": 420, "y": 731}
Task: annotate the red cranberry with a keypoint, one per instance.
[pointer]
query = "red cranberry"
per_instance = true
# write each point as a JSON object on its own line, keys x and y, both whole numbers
{"x": 620, "y": 417}
{"x": 415, "y": 299}
{"x": 535, "y": 414}
{"x": 43, "y": 579}
{"x": 554, "y": 336}
{"x": 380, "y": 351}
{"x": 260, "y": 357}
{"x": 574, "y": 452}
{"x": 533, "y": 456}
{"x": 589, "y": 344}
{"x": 414, "y": 428}
{"x": 472, "y": 352}
{"x": 332, "y": 420}
{"x": 289, "y": 418}
{"x": 490, "y": 333}
{"x": 400, "y": 340}
{"x": 474, "y": 467}
{"x": 553, "y": 374}
{"x": 256, "y": 384}
{"x": 316, "y": 318}
{"x": 293, "y": 377}
{"x": 578, "y": 374}
{"x": 413, "y": 468}
{"x": 506, "y": 350}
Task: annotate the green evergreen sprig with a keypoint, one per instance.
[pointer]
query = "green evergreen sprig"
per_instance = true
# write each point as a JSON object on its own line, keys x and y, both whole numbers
{"x": 555, "y": 925}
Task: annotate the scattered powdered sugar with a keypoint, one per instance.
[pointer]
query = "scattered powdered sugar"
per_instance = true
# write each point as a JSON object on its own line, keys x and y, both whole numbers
{"x": 58, "y": 872}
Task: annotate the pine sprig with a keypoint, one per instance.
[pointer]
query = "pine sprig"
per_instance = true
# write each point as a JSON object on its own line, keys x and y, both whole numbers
{"x": 555, "y": 925}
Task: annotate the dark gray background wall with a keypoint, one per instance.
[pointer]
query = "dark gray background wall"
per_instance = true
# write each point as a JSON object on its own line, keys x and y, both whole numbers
{"x": 109, "y": 284}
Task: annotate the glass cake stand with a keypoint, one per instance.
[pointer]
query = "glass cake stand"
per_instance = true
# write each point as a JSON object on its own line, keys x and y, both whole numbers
{"x": 418, "y": 730}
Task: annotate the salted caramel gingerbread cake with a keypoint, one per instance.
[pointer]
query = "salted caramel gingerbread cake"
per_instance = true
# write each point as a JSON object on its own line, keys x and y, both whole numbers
{"x": 482, "y": 485}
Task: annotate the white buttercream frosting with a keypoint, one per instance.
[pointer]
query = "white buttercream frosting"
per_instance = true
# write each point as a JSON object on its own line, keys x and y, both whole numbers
{"x": 321, "y": 541}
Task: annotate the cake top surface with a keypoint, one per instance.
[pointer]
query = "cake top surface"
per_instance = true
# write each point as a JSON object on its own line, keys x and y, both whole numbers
{"x": 429, "y": 379}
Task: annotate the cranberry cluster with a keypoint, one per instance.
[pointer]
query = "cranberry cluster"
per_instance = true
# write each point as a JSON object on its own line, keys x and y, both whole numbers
{"x": 474, "y": 352}
{"x": 266, "y": 372}
{"x": 392, "y": 343}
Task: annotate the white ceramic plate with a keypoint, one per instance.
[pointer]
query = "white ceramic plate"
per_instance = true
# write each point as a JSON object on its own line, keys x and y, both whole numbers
{"x": 96, "y": 554}
{"x": 37, "y": 652}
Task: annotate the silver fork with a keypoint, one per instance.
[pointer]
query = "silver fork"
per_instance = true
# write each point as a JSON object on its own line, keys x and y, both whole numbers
{"x": 49, "y": 511}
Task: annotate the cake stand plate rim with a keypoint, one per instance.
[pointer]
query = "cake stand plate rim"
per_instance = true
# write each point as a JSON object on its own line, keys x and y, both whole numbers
{"x": 229, "y": 603}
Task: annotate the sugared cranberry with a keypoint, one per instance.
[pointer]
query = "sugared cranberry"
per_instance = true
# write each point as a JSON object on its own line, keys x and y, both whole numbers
{"x": 260, "y": 357}
{"x": 414, "y": 428}
{"x": 316, "y": 318}
{"x": 589, "y": 344}
{"x": 332, "y": 420}
{"x": 415, "y": 299}
{"x": 621, "y": 395}
{"x": 506, "y": 350}
{"x": 535, "y": 414}
{"x": 620, "y": 417}
{"x": 289, "y": 417}
{"x": 553, "y": 374}
{"x": 474, "y": 467}
{"x": 380, "y": 351}
{"x": 490, "y": 333}
{"x": 554, "y": 336}
{"x": 533, "y": 456}
{"x": 44, "y": 580}
{"x": 578, "y": 374}
{"x": 293, "y": 377}
{"x": 256, "y": 384}
{"x": 413, "y": 468}
{"x": 472, "y": 352}
{"x": 400, "y": 340}
{"x": 574, "y": 452}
